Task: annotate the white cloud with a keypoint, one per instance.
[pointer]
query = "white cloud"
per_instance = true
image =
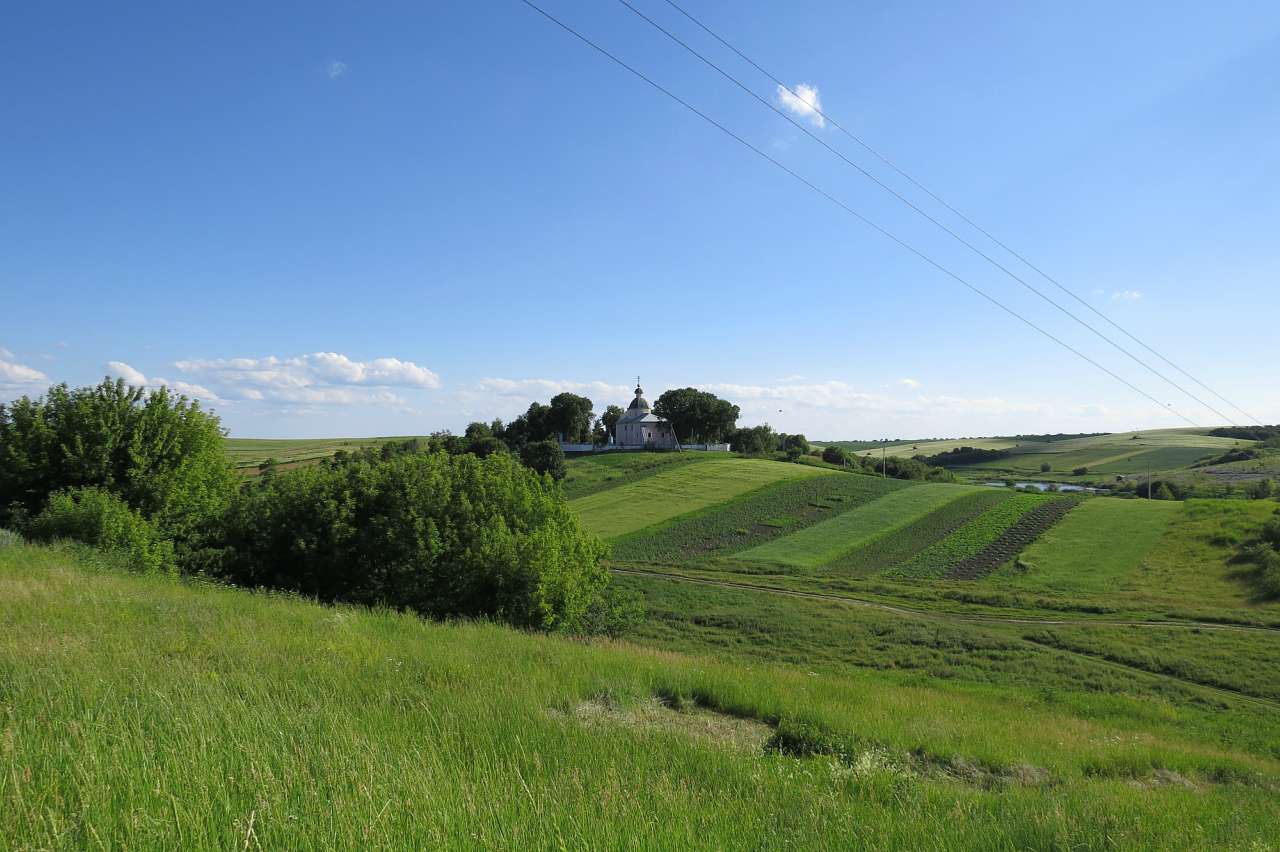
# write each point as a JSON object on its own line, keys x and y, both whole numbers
{"x": 124, "y": 371}
{"x": 6, "y": 354}
{"x": 137, "y": 377}
{"x": 540, "y": 388}
{"x": 337, "y": 69}
{"x": 802, "y": 101}
{"x": 1126, "y": 295}
{"x": 13, "y": 373}
{"x": 320, "y": 378}
{"x": 908, "y": 383}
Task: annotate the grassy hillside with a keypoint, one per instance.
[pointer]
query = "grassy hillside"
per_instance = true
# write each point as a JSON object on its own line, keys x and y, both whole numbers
{"x": 678, "y": 491}
{"x": 825, "y": 542}
{"x": 141, "y": 712}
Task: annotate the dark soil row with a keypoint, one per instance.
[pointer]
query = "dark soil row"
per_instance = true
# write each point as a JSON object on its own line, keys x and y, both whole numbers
{"x": 1013, "y": 540}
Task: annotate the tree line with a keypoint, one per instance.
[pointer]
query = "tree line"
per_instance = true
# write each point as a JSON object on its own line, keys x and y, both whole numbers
{"x": 428, "y": 526}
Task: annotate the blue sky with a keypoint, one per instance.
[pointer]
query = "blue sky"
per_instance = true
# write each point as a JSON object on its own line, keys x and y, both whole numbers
{"x": 358, "y": 219}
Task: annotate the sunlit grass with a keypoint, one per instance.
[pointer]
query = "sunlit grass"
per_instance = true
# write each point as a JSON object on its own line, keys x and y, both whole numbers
{"x": 139, "y": 712}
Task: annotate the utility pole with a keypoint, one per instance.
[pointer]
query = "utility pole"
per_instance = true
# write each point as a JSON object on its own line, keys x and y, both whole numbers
{"x": 1148, "y": 480}
{"x": 884, "y": 463}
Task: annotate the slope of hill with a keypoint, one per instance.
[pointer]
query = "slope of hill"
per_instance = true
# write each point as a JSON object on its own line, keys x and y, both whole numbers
{"x": 142, "y": 712}
{"x": 1124, "y": 454}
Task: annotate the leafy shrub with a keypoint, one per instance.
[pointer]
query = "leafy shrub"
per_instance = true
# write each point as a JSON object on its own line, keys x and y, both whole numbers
{"x": 99, "y": 518}
{"x": 1080, "y": 471}
{"x": 1045, "y": 467}
{"x": 438, "y": 534}
{"x": 1266, "y": 575}
{"x": 1271, "y": 531}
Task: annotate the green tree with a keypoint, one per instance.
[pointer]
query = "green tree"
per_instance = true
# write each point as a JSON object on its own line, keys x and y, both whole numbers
{"x": 161, "y": 453}
{"x": 610, "y": 419}
{"x": 1045, "y": 467}
{"x": 570, "y": 415}
{"x": 544, "y": 457}
{"x": 696, "y": 416}
{"x": 831, "y": 454}
{"x": 754, "y": 440}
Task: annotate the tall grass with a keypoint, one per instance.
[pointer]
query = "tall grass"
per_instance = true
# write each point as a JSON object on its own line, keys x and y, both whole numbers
{"x": 141, "y": 712}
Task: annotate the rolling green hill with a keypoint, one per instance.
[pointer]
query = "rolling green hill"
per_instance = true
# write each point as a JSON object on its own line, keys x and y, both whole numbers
{"x": 143, "y": 712}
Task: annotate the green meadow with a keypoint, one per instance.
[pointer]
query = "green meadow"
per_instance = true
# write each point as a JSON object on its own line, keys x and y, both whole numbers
{"x": 145, "y": 712}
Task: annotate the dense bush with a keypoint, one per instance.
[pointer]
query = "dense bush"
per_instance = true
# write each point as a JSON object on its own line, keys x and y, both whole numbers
{"x": 831, "y": 454}
{"x": 98, "y": 517}
{"x": 964, "y": 455}
{"x": 160, "y": 453}
{"x": 439, "y": 534}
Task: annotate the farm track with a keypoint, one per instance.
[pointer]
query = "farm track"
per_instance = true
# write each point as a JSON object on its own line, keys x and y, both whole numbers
{"x": 942, "y": 615}
{"x": 1012, "y": 541}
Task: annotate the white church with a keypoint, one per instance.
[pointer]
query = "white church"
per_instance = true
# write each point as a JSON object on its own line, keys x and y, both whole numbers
{"x": 640, "y": 429}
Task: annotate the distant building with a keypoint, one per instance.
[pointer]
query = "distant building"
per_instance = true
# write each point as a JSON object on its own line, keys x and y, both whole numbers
{"x": 640, "y": 428}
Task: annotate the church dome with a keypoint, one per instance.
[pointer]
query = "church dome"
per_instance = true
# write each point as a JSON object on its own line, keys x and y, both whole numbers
{"x": 639, "y": 403}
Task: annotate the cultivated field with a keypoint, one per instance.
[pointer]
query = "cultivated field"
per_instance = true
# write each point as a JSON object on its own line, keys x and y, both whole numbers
{"x": 682, "y": 489}
{"x": 248, "y": 453}
{"x": 1122, "y": 454}
{"x": 259, "y": 721}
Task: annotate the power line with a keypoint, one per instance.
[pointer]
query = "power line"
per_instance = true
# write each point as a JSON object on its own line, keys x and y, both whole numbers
{"x": 973, "y": 248}
{"x": 820, "y": 191}
{"x": 967, "y": 220}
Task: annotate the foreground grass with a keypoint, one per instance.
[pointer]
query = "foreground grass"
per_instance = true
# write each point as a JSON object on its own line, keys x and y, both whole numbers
{"x": 143, "y": 713}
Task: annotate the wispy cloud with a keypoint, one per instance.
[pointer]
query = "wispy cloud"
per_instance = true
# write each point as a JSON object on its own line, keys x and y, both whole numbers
{"x": 1126, "y": 295}
{"x": 336, "y": 70}
{"x": 802, "y": 100}
{"x": 323, "y": 378}
{"x": 13, "y": 374}
{"x": 137, "y": 377}
{"x": 908, "y": 383}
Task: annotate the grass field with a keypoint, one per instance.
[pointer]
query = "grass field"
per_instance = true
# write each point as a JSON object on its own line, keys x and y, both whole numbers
{"x": 906, "y": 541}
{"x": 248, "y": 453}
{"x": 722, "y": 529}
{"x": 1095, "y": 549}
{"x": 146, "y": 713}
{"x": 825, "y": 542}
{"x": 599, "y": 472}
{"x": 685, "y": 488}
